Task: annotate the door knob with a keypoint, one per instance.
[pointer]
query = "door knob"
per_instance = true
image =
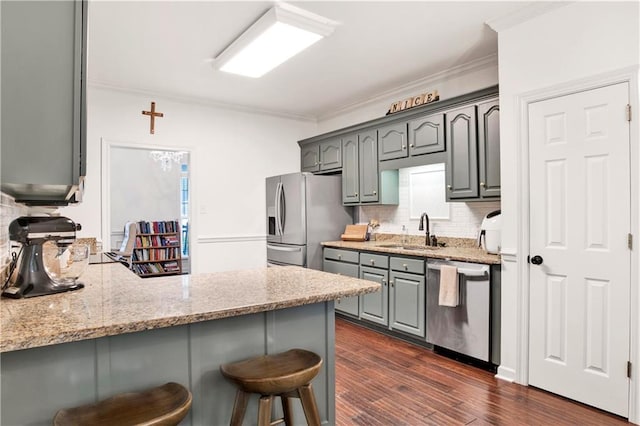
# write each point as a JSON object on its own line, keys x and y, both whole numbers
{"x": 537, "y": 260}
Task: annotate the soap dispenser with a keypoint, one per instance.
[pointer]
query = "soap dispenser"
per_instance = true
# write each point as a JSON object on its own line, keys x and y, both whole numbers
{"x": 405, "y": 235}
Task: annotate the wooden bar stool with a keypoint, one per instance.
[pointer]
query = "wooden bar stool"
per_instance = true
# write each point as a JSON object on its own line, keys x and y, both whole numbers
{"x": 287, "y": 375}
{"x": 164, "y": 405}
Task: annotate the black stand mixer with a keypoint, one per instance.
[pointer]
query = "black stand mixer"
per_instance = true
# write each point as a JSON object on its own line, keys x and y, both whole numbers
{"x": 28, "y": 277}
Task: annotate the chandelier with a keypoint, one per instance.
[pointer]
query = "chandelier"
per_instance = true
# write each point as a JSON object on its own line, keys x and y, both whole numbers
{"x": 166, "y": 158}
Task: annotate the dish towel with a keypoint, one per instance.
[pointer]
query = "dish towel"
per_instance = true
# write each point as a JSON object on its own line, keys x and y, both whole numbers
{"x": 449, "y": 288}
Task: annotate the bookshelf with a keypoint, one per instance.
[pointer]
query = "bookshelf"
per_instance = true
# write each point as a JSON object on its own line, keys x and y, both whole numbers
{"x": 157, "y": 249}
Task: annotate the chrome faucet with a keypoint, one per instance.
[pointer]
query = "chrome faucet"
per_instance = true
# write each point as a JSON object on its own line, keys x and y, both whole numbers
{"x": 427, "y": 241}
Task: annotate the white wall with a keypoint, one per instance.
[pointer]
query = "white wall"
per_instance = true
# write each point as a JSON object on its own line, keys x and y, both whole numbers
{"x": 572, "y": 42}
{"x": 455, "y": 82}
{"x": 231, "y": 151}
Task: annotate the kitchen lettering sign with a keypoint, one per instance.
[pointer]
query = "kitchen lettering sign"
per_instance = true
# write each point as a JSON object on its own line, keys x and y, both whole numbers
{"x": 415, "y": 101}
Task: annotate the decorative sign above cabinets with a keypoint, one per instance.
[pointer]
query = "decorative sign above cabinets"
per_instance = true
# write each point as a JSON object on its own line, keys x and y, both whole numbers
{"x": 415, "y": 101}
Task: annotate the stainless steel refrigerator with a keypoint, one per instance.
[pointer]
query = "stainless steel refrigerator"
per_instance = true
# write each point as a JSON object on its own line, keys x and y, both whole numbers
{"x": 303, "y": 210}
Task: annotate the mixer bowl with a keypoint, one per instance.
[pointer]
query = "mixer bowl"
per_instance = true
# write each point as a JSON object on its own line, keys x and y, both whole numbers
{"x": 66, "y": 263}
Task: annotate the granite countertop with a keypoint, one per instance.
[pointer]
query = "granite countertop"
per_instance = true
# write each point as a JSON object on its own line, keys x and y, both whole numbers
{"x": 116, "y": 301}
{"x": 462, "y": 249}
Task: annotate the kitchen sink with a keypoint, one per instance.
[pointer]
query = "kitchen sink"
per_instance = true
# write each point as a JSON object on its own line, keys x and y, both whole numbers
{"x": 407, "y": 246}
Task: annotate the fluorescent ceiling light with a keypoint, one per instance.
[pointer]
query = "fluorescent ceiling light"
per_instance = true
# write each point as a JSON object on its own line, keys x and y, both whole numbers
{"x": 278, "y": 35}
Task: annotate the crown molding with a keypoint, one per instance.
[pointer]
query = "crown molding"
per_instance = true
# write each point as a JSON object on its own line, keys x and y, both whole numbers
{"x": 466, "y": 68}
{"x": 96, "y": 84}
{"x": 524, "y": 14}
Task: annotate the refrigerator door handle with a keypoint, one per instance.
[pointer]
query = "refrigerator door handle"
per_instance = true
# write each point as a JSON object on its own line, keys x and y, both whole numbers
{"x": 277, "y": 205}
{"x": 283, "y": 209}
{"x": 280, "y": 248}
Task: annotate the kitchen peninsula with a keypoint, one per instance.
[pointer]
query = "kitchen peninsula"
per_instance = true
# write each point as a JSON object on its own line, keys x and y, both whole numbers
{"x": 123, "y": 333}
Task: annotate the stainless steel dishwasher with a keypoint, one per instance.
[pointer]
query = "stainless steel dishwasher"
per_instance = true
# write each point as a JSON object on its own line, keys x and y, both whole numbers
{"x": 466, "y": 328}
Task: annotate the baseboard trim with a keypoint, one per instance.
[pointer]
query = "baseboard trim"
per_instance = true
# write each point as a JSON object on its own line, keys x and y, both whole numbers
{"x": 506, "y": 374}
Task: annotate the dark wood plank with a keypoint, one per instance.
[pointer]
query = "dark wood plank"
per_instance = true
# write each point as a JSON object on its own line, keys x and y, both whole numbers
{"x": 385, "y": 381}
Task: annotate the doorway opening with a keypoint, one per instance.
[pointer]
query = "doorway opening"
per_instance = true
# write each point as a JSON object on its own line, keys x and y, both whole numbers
{"x": 146, "y": 184}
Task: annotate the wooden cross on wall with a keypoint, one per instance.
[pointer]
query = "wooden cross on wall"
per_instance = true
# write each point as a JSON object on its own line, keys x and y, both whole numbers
{"x": 152, "y": 115}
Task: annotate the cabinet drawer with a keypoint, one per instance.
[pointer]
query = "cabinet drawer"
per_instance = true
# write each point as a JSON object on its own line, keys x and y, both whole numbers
{"x": 374, "y": 260}
{"x": 414, "y": 266}
{"x": 347, "y": 269}
{"x": 341, "y": 255}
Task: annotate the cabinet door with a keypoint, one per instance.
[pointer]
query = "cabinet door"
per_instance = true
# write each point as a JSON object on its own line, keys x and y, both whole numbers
{"x": 462, "y": 170}
{"x": 350, "y": 170}
{"x": 43, "y": 99}
{"x": 349, "y": 305}
{"x": 489, "y": 148}
{"x": 368, "y": 161}
{"x": 310, "y": 162}
{"x": 407, "y": 303}
{"x": 426, "y": 135}
{"x": 374, "y": 306}
{"x": 331, "y": 154}
{"x": 392, "y": 141}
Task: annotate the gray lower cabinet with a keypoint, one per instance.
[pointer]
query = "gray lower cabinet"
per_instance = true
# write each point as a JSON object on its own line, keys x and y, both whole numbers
{"x": 43, "y": 101}
{"x": 407, "y": 301}
{"x": 321, "y": 156}
{"x": 462, "y": 168}
{"x": 489, "y": 148}
{"x": 374, "y": 307}
{"x": 343, "y": 262}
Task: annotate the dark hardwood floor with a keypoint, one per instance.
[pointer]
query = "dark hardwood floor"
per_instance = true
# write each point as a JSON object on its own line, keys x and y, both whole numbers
{"x": 385, "y": 381}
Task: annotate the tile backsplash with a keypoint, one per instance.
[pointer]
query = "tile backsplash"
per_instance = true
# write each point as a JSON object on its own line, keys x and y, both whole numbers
{"x": 9, "y": 210}
{"x": 464, "y": 218}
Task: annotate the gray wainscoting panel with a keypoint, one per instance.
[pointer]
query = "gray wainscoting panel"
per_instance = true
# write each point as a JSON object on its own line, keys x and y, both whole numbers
{"x": 38, "y": 382}
{"x": 218, "y": 342}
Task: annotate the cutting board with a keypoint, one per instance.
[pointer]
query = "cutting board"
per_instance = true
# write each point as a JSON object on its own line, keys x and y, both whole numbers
{"x": 355, "y": 233}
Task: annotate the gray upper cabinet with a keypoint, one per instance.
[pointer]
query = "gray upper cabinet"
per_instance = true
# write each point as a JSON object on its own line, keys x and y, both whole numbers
{"x": 426, "y": 135}
{"x": 331, "y": 155}
{"x": 368, "y": 163}
{"x": 321, "y": 156}
{"x": 489, "y": 148}
{"x": 462, "y": 153}
{"x": 310, "y": 158}
{"x": 392, "y": 141}
{"x": 43, "y": 53}
{"x": 350, "y": 170}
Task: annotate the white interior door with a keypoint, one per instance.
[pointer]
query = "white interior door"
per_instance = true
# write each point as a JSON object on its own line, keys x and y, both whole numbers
{"x": 579, "y": 226}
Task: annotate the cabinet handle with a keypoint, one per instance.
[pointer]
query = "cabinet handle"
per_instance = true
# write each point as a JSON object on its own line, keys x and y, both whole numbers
{"x": 404, "y": 265}
{"x": 356, "y": 194}
{"x": 373, "y": 262}
{"x": 449, "y": 187}
{"x": 411, "y": 145}
{"x": 316, "y": 163}
{"x": 404, "y": 147}
{"x": 384, "y": 282}
{"x": 393, "y": 283}
{"x": 482, "y": 184}
{"x": 375, "y": 192}
{"x": 339, "y": 257}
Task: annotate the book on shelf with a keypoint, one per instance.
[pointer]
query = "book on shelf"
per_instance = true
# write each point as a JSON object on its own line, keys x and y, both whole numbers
{"x": 157, "y": 248}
